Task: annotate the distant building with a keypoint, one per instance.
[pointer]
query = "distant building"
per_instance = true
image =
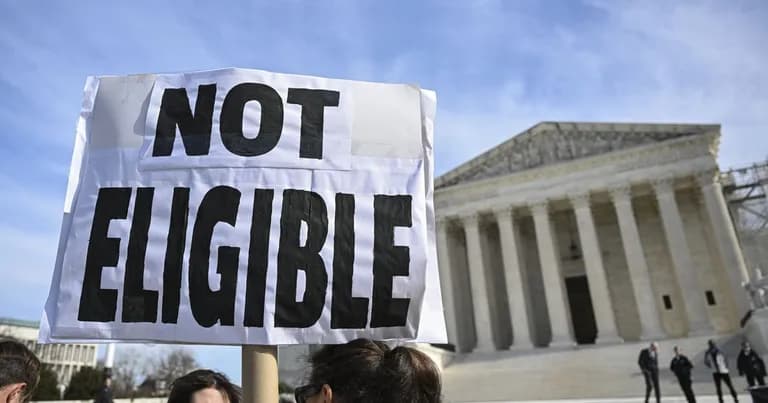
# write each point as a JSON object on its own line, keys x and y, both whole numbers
{"x": 63, "y": 359}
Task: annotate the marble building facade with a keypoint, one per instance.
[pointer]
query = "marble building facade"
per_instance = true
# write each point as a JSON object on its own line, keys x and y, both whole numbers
{"x": 579, "y": 233}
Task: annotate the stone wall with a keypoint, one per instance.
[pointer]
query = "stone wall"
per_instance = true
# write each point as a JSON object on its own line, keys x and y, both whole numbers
{"x": 617, "y": 271}
{"x": 497, "y": 289}
{"x": 537, "y": 302}
{"x": 461, "y": 290}
{"x": 711, "y": 274}
{"x": 706, "y": 257}
{"x": 663, "y": 279}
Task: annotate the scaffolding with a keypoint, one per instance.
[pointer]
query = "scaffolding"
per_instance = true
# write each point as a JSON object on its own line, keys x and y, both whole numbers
{"x": 745, "y": 190}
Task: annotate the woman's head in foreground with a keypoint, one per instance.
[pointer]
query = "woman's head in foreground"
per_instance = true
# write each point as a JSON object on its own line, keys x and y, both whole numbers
{"x": 369, "y": 371}
{"x": 19, "y": 372}
{"x": 204, "y": 386}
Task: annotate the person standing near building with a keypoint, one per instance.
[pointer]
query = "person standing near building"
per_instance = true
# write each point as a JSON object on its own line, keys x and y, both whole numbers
{"x": 105, "y": 393}
{"x": 715, "y": 359}
{"x": 750, "y": 364}
{"x": 649, "y": 365}
{"x": 681, "y": 366}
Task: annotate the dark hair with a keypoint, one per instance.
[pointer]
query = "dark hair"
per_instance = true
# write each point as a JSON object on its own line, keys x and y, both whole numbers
{"x": 184, "y": 387}
{"x": 18, "y": 365}
{"x": 369, "y": 371}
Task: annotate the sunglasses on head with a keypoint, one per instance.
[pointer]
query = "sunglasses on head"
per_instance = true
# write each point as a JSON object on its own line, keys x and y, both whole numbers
{"x": 302, "y": 393}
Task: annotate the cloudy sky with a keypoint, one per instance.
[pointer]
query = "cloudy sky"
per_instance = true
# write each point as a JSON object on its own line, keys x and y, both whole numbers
{"x": 498, "y": 67}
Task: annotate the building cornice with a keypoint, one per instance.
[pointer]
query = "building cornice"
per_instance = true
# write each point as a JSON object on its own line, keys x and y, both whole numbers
{"x": 548, "y": 143}
{"x": 679, "y": 157}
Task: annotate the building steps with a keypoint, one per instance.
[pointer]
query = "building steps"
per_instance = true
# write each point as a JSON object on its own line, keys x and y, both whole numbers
{"x": 586, "y": 372}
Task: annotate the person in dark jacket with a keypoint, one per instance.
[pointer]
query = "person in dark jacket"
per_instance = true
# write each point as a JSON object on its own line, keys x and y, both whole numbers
{"x": 681, "y": 366}
{"x": 105, "y": 393}
{"x": 716, "y": 360}
{"x": 649, "y": 365}
{"x": 751, "y": 365}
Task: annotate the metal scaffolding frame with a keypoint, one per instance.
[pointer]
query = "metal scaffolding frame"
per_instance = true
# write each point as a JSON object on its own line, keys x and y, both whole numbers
{"x": 745, "y": 191}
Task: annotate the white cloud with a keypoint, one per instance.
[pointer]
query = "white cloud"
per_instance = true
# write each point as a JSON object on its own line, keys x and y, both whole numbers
{"x": 643, "y": 61}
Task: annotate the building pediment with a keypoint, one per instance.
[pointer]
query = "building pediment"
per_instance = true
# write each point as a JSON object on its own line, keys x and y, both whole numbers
{"x": 549, "y": 143}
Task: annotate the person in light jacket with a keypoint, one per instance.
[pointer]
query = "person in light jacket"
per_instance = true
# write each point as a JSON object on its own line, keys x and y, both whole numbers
{"x": 715, "y": 359}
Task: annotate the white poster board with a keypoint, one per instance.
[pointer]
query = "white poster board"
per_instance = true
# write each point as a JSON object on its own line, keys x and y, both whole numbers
{"x": 247, "y": 207}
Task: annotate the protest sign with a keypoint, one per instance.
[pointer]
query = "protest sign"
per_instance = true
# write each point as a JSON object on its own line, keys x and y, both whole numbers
{"x": 246, "y": 207}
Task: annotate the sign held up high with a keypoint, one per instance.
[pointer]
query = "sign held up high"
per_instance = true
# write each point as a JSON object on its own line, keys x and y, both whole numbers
{"x": 247, "y": 207}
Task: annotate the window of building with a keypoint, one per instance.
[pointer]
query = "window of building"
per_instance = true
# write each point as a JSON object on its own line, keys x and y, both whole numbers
{"x": 710, "y": 298}
{"x": 667, "y": 302}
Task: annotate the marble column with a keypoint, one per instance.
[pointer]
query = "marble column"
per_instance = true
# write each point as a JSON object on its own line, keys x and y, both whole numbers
{"x": 593, "y": 262}
{"x": 725, "y": 234}
{"x": 478, "y": 284}
{"x": 446, "y": 282}
{"x": 645, "y": 298}
{"x": 554, "y": 286}
{"x": 514, "y": 278}
{"x": 685, "y": 270}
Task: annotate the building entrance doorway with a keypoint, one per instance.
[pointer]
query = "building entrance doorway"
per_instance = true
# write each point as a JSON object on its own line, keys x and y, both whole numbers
{"x": 582, "y": 314}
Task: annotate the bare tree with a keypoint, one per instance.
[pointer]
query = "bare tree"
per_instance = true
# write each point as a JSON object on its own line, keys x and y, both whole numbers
{"x": 131, "y": 367}
{"x": 177, "y": 362}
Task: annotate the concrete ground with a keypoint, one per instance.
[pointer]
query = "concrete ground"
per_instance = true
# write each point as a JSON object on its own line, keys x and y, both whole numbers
{"x": 606, "y": 373}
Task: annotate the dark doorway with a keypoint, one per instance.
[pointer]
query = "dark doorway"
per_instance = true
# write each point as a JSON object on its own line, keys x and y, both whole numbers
{"x": 582, "y": 314}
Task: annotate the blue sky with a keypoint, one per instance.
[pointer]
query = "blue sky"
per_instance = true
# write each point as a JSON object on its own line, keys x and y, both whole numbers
{"x": 498, "y": 67}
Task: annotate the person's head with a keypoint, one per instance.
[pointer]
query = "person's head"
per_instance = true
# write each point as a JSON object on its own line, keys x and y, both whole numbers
{"x": 19, "y": 372}
{"x": 711, "y": 343}
{"x": 204, "y": 386}
{"x": 107, "y": 381}
{"x": 676, "y": 349}
{"x": 370, "y": 371}
{"x": 654, "y": 346}
{"x": 745, "y": 346}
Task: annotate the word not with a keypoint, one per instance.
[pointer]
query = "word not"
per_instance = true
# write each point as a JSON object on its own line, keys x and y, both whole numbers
{"x": 195, "y": 129}
{"x": 220, "y": 205}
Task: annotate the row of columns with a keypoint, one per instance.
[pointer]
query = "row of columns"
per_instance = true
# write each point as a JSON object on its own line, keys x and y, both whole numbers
{"x": 554, "y": 285}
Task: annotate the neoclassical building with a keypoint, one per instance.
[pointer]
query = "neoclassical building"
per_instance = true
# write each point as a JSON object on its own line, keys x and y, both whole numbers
{"x": 579, "y": 233}
{"x": 64, "y": 359}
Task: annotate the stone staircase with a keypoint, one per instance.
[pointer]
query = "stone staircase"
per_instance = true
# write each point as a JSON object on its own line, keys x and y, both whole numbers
{"x": 583, "y": 372}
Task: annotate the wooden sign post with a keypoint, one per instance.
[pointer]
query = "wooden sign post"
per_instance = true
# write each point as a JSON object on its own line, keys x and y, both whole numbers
{"x": 259, "y": 374}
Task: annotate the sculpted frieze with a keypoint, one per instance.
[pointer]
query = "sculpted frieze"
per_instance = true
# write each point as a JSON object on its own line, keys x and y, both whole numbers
{"x": 531, "y": 150}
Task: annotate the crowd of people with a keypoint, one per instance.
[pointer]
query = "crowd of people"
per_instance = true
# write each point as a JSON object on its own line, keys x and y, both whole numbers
{"x": 359, "y": 371}
{"x": 748, "y": 363}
